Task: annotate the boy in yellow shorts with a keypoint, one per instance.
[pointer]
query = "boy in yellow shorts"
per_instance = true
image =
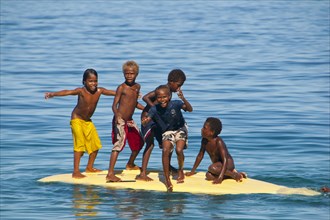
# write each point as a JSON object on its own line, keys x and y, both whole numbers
{"x": 85, "y": 136}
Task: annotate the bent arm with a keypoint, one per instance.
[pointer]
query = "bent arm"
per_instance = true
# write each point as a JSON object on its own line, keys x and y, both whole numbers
{"x": 186, "y": 105}
{"x": 139, "y": 106}
{"x": 148, "y": 98}
{"x": 116, "y": 102}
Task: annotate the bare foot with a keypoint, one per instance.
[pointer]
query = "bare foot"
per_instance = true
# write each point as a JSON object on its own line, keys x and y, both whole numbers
{"x": 170, "y": 188}
{"x": 92, "y": 170}
{"x": 169, "y": 185}
{"x": 143, "y": 177}
{"x": 180, "y": 178}
{"x": 325, "y": 189}
{"x": 132, "y": 167}
{"x": 244, "y": 175}
{"x": 78, "y": 175}
{"x": 112, "y": 178}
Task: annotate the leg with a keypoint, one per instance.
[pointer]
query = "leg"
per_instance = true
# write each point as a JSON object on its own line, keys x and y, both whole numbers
{"x": 130, "y": 164}
{"x": 111, "y": 177}
{"x": 172, "y": 168}
{"x": 167, "y": 146}
{"x": 179, "y": 152}
{"x": 136, "y": 142}
{"x": 90, "y": 165}
{"x": 145, "y": 160}
{"x": 76, "y": 162}
{"x": 215, "y": 170}
{"x": 209, "y": 176}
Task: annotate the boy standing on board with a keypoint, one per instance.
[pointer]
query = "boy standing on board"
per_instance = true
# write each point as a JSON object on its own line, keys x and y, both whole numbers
{"x": 223, "y": 164}
{"x": 85, "y": 136}
{"x": 175, "y": 80}
{"x": 169, "y": 119}
{"x": 123, "y": 126}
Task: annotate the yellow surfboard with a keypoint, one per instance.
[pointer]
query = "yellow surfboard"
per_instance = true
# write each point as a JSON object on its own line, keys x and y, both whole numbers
{"x": 194, "y": 184}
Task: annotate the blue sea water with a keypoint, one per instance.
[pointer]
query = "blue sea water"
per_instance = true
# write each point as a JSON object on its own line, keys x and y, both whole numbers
{"x": 260, "y": 66}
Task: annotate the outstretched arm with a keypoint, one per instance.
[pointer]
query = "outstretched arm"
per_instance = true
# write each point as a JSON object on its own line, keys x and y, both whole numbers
{"x": 62, "y": 93}
{"x": 108, "y": 92}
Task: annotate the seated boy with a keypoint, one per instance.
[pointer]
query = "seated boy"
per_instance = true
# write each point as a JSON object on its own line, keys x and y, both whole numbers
{"x": 222, "y": 163}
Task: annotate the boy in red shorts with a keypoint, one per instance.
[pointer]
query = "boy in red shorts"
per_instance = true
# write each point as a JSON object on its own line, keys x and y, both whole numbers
{"x": 124, "y": 127}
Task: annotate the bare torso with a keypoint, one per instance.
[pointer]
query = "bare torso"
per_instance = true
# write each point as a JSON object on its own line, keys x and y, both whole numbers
{"x": 125, "y": 100}
{"x": 86, "y": 105}
{"x": 216, "y": 148}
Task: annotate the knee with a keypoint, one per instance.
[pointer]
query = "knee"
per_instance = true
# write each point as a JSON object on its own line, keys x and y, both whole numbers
{"x": 179, "y": 151}
{"x": 166, "y": 150}
{"x": 215, "y": 168}
{"x": 211, "y": 167}
{"x": 209, "y": 176}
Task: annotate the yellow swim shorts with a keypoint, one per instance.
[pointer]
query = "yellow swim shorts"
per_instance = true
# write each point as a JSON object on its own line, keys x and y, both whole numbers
{"x": 85, "y": 136}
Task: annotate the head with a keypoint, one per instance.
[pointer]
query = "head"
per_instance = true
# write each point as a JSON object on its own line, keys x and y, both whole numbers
{"x": 131, "y": 71}
{"x": 90, "y": 80}
{"x": 163, "y": 95}
{"x": 176, "y": 79}
{"x": 212, "y": 127}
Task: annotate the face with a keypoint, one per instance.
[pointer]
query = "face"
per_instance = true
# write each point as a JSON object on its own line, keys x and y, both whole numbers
{"x": 91, "y": 83}
{"x": 163, "y": 97}
{"x": 206, "y": 131}
{"x": 175, "y": 86}
{"x": 130, "y": 75}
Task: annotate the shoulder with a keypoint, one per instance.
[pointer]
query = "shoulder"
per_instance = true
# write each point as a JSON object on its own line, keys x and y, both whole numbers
{"x": 177, "y": 103}
{"x": 79, "y": 90}
{"x": 152, "y": 111}
{"x": 153, "y": 108}
{"x": 137, "y": 86}
{"x": 121, "y": 86}
{"x": 219, "y": 141}
{"x": 100, "y": 89}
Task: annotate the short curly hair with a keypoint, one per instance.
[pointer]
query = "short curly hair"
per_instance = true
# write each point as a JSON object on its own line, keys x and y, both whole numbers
{"x": 132, "y": 64}
{"x": 215, "y": 125}
{"x": 176, "y": 75}
{"x": 163, "y": 87}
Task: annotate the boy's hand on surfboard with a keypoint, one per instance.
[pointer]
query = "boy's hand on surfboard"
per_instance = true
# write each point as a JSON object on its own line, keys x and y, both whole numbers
{"x": 190, "y": 173}
{"x": 217, "y": 181}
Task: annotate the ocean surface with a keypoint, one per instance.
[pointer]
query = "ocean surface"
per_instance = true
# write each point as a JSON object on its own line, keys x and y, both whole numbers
{"x": 262, "y": 67}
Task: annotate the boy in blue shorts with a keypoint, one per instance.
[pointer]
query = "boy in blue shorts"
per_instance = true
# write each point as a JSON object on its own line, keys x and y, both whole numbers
{"x": 175, "y": 80}
{"x": 169, "y": 120}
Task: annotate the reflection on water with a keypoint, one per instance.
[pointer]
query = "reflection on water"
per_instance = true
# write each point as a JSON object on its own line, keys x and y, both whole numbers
{"x": 88, "y": 201}
{"x": 85, "y": 198}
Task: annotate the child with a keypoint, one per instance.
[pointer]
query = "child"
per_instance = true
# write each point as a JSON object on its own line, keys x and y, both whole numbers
{"x": 85, "y": 136}
{"x": 175, "y": 80}
{"x": 169, "y": 120}
{"x": 123, "y": 126}
{"x": 223, "y": 164}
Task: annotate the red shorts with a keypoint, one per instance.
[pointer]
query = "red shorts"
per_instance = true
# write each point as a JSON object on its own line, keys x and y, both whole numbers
{"x": 123, "y": 131}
